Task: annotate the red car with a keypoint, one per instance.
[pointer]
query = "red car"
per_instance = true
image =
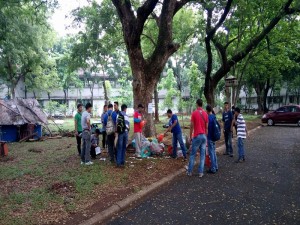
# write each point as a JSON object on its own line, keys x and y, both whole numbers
{"x": 285, "y": 114}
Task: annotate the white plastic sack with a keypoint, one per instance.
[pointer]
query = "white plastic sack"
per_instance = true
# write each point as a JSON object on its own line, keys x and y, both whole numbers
{"x": 98, "y": 150}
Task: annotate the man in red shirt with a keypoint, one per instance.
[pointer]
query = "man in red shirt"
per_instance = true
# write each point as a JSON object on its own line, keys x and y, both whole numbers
{"x": 198, "y": 132}
{"x": 137, "y": 129}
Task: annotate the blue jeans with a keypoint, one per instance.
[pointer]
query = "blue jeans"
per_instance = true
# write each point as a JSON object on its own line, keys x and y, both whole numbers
{"x": 86, "y": 146}
{"x": 241, "y": 148}
{"x": 198, "y": 142}
{"x": 212, "y": 155}
{"x": 228, "y": 141}
{"x": 176, "y": 138}
{"x": 122, "y": 142}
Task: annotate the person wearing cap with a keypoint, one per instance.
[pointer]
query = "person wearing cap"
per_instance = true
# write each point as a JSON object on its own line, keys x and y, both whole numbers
{"x": 175, "y": 129}
{"x": 137, "y": 129}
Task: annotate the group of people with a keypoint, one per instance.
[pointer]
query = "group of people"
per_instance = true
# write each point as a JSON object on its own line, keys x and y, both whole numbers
{"x": 116, "y": 127}
{"x": 115, "y": 131}
{"x": 201, "y": 132}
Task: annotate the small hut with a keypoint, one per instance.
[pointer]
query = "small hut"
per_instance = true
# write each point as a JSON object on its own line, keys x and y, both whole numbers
{"x": 20, "y": 118}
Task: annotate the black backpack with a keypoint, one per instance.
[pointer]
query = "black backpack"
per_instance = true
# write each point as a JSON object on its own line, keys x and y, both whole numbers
{"x": 216, "y": 134}
{"x": 121, "y": 127}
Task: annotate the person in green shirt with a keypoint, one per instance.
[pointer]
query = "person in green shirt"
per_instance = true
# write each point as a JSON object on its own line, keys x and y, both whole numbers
{"x": 78, "y": 127}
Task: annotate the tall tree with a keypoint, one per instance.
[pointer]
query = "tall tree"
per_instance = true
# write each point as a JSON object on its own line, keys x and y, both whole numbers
{"x": 146, "y": 70}
{"x": 230, "y": 23}
{"x": 25, "y": 38}
{"x": 95, "y": 45}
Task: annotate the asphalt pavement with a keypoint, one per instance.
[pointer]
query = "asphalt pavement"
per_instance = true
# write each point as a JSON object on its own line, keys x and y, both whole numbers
{"x": 263, "y": 190}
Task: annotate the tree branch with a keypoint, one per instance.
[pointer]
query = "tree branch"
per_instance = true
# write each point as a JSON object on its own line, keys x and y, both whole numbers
{"x": 211, "y": 32}
{"x": 179, "y": 5}
{"x": 144, "y": 11}
{"x": 253, "y": 43}
{"x": 152, "y": 41}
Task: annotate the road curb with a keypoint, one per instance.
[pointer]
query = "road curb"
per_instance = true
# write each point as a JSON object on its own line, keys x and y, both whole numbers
{"x": 123, "y": 204}
{"x": 128, "y": 201}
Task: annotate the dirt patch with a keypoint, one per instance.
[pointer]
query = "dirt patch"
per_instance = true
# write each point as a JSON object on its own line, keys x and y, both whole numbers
{"x": 62, "y": 188}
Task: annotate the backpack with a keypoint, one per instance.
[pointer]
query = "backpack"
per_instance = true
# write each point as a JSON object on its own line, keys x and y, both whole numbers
{"x": 110, "y": 129}
{"x": 216, "y": 133}
{"x": 121, "y": 127}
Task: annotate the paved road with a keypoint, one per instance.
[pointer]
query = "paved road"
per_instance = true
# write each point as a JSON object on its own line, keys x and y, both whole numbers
{"x": 263, "y": 190}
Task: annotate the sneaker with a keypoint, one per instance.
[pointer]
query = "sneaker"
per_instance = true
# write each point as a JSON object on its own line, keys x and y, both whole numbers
{"x": 138, "y": 156}
{"x": 211, "y": 171}
{"x": 201, "y": 175}
{"x": 81, "y": 163}
{"x": 231, "y": 155}
{"x": 240, "y": 161}
{"x": 89, "y": 163}
{"x": 189, "y": 174}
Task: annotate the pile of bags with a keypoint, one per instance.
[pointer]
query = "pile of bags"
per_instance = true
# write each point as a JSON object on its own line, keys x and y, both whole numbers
{"x": 150, "y": 146}
{"x": 156, "y": 146}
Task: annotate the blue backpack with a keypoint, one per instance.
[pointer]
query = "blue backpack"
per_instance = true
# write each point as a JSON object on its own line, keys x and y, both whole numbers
{"x": 216, "y": 134}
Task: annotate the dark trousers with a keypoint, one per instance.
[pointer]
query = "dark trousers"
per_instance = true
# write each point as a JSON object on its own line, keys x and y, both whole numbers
{"x": 78, "y": 139}
{"x": 104, "y": 139}
{"x": 111, "y": 148}
{"x": 228, "y": 141}
{"x": 93, "y": 152}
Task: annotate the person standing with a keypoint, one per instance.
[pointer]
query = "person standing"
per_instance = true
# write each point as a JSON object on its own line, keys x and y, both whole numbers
{"x": 137, "y": 129}
{"x": 123, "y": 127}
{"x": 78, "y": 127}
{"x": 109, "y": 122}
{"x": 198, "y": 131}
{"x": 115, "y": 114}
{"x": 227, "y": 118}
{"x": 242, "y": 133}
{"x": 211, "y": 144}
{"x": 116, "y": 107}
{"x": 103, "y": 131}
{"x": 234, "y": 118}
{"x": 86, "y": 135}
{"x": 175, "y": 129}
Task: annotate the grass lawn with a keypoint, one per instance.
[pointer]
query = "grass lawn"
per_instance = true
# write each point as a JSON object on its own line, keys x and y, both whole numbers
{"x": 43, "y": 182}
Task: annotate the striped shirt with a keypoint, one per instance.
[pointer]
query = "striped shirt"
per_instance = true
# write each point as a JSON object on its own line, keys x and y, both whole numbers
{"x": 241, "y": 126}
{"x": 126, "y": 118}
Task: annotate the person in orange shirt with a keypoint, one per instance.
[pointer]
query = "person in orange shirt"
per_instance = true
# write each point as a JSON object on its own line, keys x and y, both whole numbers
{"x": 198, "y": 132}
{"x": 137, "y": 129}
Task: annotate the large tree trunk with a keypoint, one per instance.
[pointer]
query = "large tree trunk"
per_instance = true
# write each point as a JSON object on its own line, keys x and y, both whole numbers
{"x": 156, "y": 101}
{"x": 259, "y": 94}
{"x": 265, "y": 96}
{"x": 105, "y": 91}
{"x": 209, "y": 91}
{"x": 142, "y": 94}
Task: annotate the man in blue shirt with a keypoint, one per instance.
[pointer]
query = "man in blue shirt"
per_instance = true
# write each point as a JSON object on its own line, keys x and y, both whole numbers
{"x": 227, "y": 119}
{"x": 122, "y": 135}
{"x": 211, "y": 144}
{"x": 174, "y": 127}
{"x": 109, "y": 121}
